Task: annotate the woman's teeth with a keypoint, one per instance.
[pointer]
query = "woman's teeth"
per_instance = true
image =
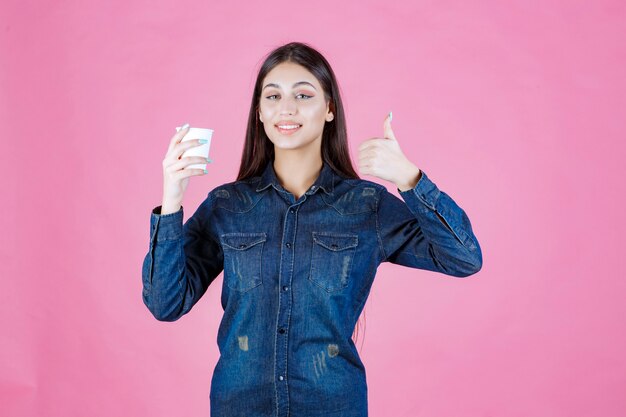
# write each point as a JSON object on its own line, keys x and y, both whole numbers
{"x": 288, "y": 129}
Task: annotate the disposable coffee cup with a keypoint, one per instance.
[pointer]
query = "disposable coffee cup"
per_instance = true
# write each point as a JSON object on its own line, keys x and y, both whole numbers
{"x": 199, "y": 150}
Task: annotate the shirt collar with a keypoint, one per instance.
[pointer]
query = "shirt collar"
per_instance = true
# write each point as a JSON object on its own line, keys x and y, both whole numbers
{"x": 325, "y": 180}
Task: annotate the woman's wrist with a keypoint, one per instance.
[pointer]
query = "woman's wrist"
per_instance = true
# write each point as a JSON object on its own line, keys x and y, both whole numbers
{"x": 410, "y": 180}
{"x": 169, "y": 208}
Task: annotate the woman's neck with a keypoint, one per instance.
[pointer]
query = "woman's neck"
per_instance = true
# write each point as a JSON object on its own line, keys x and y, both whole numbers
{"x": 297, "y": 173}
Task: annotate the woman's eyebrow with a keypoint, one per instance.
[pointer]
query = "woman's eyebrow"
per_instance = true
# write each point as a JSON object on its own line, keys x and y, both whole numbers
{"x": 295, "y": 85}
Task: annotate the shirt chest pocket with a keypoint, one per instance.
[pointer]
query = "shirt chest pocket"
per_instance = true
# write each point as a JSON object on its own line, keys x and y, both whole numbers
{"x": 243, "y": 252}
{"x": 332, "y": 256}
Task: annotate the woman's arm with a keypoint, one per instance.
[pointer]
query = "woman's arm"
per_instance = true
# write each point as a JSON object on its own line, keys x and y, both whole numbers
{"x": 427, "y": 230}
{"x": 183, "y": 260}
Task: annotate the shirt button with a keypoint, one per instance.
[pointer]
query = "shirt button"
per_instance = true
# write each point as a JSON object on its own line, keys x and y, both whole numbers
{"x": 288, "y": 244}
{"x": 292, "y": 210}
{"x": 281, "y": 331}
{"x": 285, "y": 288}
{"x": 281, "y": 377}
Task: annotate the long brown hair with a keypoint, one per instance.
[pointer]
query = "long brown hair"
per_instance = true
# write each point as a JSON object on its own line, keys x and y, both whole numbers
{"x": 258, "y": 150}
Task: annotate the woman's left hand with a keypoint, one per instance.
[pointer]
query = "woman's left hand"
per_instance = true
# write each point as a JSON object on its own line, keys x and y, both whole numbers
{"x": 383, "y": 158}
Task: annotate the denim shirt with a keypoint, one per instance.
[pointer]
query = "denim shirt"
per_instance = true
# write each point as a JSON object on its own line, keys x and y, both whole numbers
{"x": 297, "y": 274}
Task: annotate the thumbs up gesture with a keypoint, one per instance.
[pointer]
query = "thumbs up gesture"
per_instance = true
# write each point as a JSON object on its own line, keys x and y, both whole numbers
{"x": 383, "y": 158}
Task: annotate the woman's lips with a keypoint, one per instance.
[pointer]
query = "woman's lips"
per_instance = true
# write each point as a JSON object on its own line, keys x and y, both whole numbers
{"x": 288, "y": 131}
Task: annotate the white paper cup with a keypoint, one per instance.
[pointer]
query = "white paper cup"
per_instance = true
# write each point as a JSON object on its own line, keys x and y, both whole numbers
{"x": 201, "y": 150}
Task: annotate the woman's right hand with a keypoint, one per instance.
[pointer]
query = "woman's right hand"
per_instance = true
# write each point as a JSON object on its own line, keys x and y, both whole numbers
{"x": 175, "y": 174}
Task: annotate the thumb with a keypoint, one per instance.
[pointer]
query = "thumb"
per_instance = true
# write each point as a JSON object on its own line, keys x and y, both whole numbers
{"x": 388, "y": 133}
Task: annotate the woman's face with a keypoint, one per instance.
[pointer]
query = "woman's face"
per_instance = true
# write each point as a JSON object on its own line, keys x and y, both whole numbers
{"x": 291, "y": 95}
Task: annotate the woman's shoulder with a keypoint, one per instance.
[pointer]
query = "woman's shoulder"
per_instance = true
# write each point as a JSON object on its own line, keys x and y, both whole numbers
{"x": 237, "y": 184}
{"x": 366, "y": 187}
{"x": 354, "y": 195}
{"x": 236, "y": 196}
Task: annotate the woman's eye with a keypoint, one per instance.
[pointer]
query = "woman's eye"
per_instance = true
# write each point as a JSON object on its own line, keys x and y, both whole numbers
{"x": 301, "y": 94}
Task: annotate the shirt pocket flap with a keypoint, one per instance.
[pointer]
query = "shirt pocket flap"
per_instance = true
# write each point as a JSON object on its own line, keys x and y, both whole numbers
{"x": 335, "y": 241}
{"x": 243, "y": 241}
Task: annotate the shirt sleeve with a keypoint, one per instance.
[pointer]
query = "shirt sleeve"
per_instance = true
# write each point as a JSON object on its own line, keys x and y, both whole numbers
{"x": 182, "y": 261}
{"x": 427, "y": 230}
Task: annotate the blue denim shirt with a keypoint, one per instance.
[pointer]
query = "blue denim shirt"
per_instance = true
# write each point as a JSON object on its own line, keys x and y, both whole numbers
{"x": 297, "y": 274}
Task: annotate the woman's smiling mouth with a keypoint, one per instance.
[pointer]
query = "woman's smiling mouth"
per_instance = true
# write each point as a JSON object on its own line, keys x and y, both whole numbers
{"x": 288, "y": 129}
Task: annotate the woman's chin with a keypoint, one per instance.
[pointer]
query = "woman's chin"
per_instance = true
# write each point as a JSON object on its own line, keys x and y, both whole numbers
{"x": 286, "y": 144}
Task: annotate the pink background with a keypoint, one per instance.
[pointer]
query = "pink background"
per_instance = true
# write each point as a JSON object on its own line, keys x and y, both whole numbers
{"x": 515, "y": 109}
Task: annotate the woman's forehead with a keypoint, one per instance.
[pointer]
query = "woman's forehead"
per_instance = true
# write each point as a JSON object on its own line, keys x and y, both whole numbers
{"x": 290, "y": 75}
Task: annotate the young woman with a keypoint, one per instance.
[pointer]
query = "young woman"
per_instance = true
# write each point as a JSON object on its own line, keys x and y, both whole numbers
{"x": 299, "y": 238}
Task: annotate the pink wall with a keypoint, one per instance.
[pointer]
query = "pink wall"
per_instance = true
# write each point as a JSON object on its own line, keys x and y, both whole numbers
{"x": 516, "y": 110}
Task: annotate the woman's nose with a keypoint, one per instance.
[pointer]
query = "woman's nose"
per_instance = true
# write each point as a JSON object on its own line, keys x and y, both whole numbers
{"x": 287, "y": 107}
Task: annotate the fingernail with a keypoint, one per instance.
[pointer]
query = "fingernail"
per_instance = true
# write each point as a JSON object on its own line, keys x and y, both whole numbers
{"x": 209, "y": 160}
{"x": 202, "y": 140}
{"x": 185, "y": 126}
{"x": 206, "y": 172}
{"x": 390, "y": 116}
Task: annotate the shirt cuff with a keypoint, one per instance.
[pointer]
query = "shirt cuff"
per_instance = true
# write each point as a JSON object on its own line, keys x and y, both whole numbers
{"x": 166, "y": 226}
{"x": 423, "y": 196}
